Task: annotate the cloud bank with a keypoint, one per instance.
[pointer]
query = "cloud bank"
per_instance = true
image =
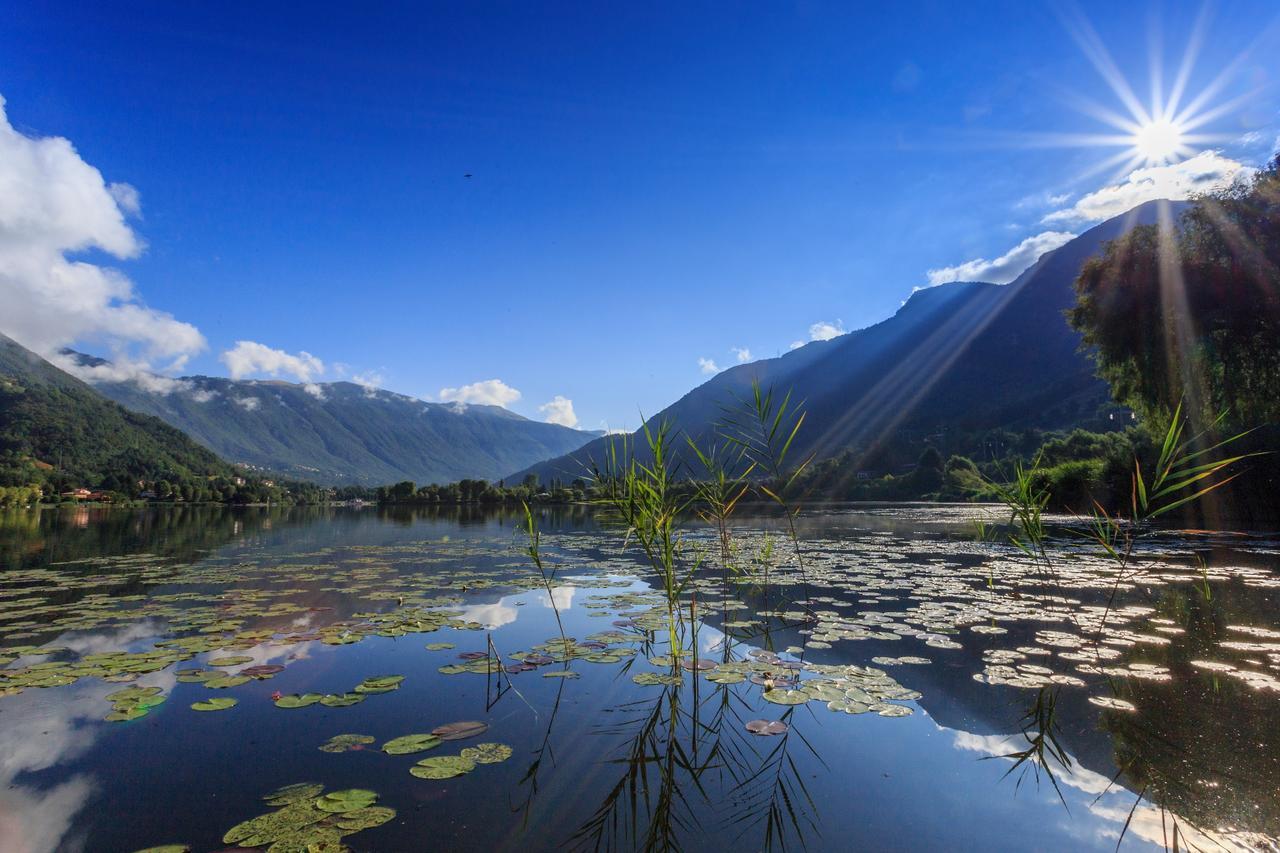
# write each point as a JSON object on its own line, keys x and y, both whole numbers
{"x": 1005, "y": 268}
{"x": 249, "y": 358}
{"x": 822, "y": 331}
{"x": 54, "y": 205}
{"x": 559, "y": 411}
{"x": 490, "y": 392}
{"x": 1206, "y": 172}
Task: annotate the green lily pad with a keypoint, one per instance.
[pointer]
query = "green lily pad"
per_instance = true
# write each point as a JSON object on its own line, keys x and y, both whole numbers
{"x": 295, "y": 793}
{"x": 341, "y": 700}
{"x": 407, "y": 744}
{"x": 560, "y": 673}
{"x": 487, "y": 753}
{"x": 125, "y": 714}
{"x": 298, "y": 700}
{"x": 438, "y": 647}
{"x": 218, "y": 703}
{"x": 345, "y": 743}
{"x": 197, "y": 676}
{"x": 365, "y": 818}
{"x": 338, "y": 802}
{"x": 230, "y": 660}
{"x": 379, "y": 684}
{"x": 225, "y": 681}
{"x": 725, "y": 677}
{"x": 780, "y": 696}
{"x": 311, "y": 839}
{"x": 442, "y": 767}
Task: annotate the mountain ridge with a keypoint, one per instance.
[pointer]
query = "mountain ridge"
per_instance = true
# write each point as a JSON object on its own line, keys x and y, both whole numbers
{"x": 962, "y": 356}
{"x": 341, "y": 433}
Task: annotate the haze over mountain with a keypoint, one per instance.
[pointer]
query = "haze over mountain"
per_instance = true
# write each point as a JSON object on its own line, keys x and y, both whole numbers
{"x": 341, "y": 432}
{"x": 52, "y": 423}
{"x": 964, "y": 356}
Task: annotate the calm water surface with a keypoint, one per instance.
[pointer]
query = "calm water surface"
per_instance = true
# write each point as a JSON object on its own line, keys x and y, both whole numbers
{"x": 923, "y": 665}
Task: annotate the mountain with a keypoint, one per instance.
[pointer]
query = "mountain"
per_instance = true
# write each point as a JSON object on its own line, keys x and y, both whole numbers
{"x": 55, "y": 427}
{"x": 962, "y": 357}
{"x": 340, "y": 432}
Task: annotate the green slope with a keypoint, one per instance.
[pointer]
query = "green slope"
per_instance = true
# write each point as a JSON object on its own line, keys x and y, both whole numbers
{"x": 50, "y": 418}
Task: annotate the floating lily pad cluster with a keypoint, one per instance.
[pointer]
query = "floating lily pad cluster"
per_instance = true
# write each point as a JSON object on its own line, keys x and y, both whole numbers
{"x": 600, "y": 647}
{"x": 132, "y": 703}
{"x": 371, "y": 685}
{"x": 308, "y": 819}
{"x": 201, "y": 622}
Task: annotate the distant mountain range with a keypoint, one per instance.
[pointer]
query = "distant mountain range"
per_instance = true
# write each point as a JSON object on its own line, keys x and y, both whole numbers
{"x": 53, "y": 424}
{"x": 340, "y": 432}
{"x": 966, "y": 356}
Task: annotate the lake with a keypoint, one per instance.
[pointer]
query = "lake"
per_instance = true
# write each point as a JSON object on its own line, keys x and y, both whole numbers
{"x": 927, "y": 688}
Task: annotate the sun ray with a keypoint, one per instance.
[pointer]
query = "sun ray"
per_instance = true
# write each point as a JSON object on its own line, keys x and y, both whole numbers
{"x": 1192, "y": 52}
{"x": 1096, "y": 52}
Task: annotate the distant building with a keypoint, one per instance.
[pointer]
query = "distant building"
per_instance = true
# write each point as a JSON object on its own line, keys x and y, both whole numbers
{"x": 77, "y": 494}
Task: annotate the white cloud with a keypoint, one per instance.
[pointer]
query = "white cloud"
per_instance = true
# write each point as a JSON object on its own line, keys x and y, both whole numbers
{"x": 314, "y": 390}
{"x": 824, "y": 331}
{"x": 1205, "y": 172}
{"x": 52, "y": 205}
{"x": 249, "y": 404}
{"x": 707, "y": 366}
{"x": 1005, "y": 268}
{"x": 490, "y": 392}
{"x": 370, "y": 379}
{"x": 742, "y": 354}
{"x": 249, "y": 357}
{"x": 559, "y": 411}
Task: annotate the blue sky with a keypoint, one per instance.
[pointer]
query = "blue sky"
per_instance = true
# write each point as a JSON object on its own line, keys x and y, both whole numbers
{"x": 653, "y": 187}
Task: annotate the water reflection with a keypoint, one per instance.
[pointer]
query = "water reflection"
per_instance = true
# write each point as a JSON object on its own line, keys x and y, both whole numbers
{"x": 1004, "y": 666}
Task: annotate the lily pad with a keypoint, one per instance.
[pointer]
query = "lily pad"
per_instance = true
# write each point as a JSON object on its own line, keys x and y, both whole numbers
{"x": 365, "y": 818}
{"x": 780, "y": 696}
{"x": 487, "y": 753}
{"x": 438, "y": 647}
{"x": 408, "y": 744}
{"x": 442, "y": 767}
{"x": 340, "y": 700}
{"x": 379, "y": 684}
{"x": 231, "y": 660}
{"x": 295, "y": 793}
{"x": 460, "y": 731}
{"x": 224, "y": 681}
{"x": 338, "y": 802}
{"x": 765, "y": 728}
{"x": 298, "y": 700}
{"x": 345, "y": 743}
{"x": 218, "y": 703}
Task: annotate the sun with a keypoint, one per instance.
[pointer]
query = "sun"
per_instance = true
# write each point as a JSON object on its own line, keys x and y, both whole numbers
{"x": 1159, "y": 141}
{"x": 1171, "y": 124}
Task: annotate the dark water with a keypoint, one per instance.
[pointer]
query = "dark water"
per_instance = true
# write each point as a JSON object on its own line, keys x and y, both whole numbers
{"x": 1146, "y": 708}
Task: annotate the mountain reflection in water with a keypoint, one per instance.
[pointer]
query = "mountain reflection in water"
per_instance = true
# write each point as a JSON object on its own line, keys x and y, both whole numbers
{"x": 1154, "y": 716}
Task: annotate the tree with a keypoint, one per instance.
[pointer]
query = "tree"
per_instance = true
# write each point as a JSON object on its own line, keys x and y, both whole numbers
{"x": 1192, "y": 313}
{"x": 1188, "y": 313}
